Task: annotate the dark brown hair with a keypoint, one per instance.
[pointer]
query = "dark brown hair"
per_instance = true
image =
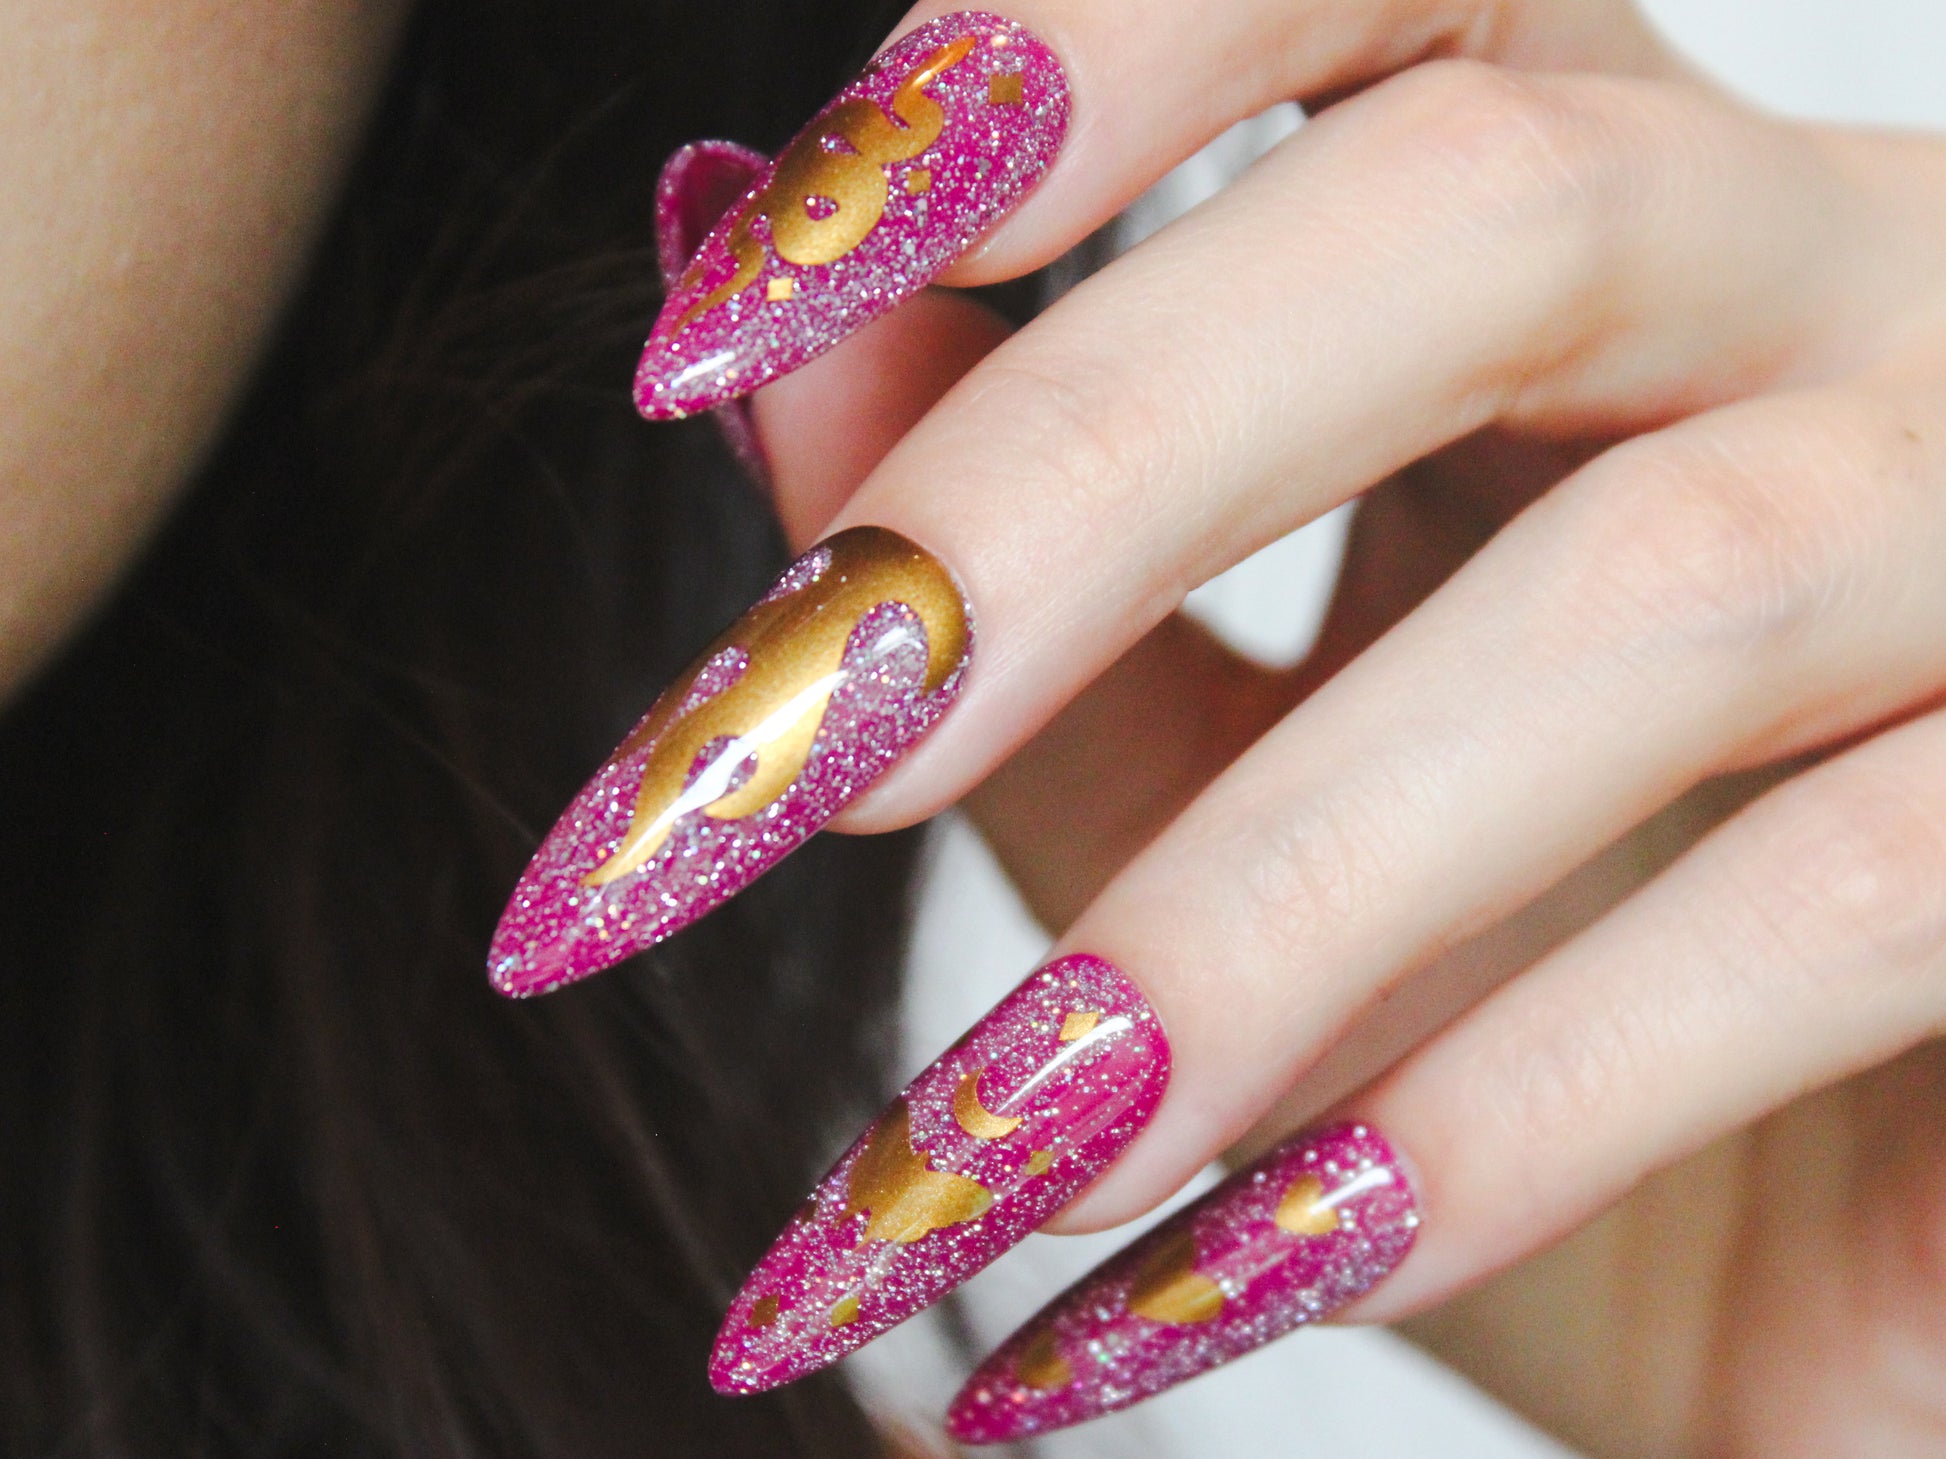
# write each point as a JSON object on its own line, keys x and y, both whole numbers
{"x": 282, "y": 1175}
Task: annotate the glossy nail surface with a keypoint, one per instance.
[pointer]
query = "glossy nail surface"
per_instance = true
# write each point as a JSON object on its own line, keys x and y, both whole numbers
{"x": 806, "y": 700}
{"x": 699, "y": 183}
{"x": 1311, "y": 1226}
{"x": 941, "y": 136}
{"x": 1004, "y": 1129}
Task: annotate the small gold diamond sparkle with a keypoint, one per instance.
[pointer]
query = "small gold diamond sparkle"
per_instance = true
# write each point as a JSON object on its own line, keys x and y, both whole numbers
{"x": 1006, "y": 89}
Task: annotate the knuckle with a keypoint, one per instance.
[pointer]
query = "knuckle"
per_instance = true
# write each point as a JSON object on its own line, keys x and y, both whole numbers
{"x": 1553, "y": 1075}
{"x": 1311, "y": 865}
{"x": 1090, "y": 450}
{"x": 1853, "y": 884}
{"x": 1502, "y": 143}
{"x": 1747, "y": 541}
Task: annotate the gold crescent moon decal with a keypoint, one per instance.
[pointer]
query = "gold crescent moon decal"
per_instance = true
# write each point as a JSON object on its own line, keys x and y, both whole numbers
{"x": 975, "y": 1118}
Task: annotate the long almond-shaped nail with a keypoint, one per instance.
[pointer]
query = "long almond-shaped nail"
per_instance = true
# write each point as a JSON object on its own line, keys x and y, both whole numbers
{"x": 808, "y": 698}
{"x": 942, "y": 136}
{"x": 699, "y": 183}
{"x": 1010, "y": 1123}
{"x": 1316, "y": 1223}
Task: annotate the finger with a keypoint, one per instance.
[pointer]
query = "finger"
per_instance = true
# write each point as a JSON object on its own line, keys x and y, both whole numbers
{"x": 825, "y": 427}
{"x": 1730, "y": 591}
{"x": 1154, "y": 82}
{"x": 1800, "y": 944}
{"x": 1551, "y": 265}
{"x": 1803, "y": 942}
{"x": 1179, "y": 705}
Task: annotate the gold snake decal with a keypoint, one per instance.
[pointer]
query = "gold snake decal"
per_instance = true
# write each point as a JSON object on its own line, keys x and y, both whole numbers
{"x": 795, "y": 647}
{"x": 855, "y": 182}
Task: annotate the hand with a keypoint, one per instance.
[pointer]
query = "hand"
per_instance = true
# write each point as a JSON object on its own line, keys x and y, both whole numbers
{"x": 1644, "y": 391}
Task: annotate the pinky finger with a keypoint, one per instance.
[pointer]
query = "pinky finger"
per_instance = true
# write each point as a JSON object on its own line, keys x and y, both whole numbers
{"x": 1801, "y": 943}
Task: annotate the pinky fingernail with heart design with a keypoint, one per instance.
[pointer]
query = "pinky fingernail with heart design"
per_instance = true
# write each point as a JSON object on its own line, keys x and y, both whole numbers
{"x": 1000, "y": 1132}
{"x": 1310, "y": 1227}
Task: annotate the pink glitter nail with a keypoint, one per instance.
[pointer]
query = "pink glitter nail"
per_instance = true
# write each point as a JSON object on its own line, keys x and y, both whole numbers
{"x": 938, "y": 140}
{"x": 807, "y": 699}
{"x": 1010, "y": 1123}
{"x": 697, "y": 186}
{"x": 1316, "y": 1223}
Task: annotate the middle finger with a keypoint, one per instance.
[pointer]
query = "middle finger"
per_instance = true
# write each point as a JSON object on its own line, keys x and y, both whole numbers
{"x": 1457, "y": 247}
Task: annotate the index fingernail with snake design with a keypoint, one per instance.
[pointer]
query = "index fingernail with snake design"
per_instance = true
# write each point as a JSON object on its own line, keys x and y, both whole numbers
{"x": 803, "y": 702}
{"x": 909, "y": 166}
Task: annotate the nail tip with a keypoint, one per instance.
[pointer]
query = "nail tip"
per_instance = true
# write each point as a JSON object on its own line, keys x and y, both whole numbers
{"x": 956, "y": 1171}
{"x": 997, "y": 124}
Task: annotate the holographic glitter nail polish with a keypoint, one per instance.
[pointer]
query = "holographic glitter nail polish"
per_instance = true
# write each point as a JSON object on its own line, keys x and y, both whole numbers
{"x": 699, "y": 183}
{"x": 939, "y": 139}
{"x": 1316, "y": 1223}
{"x": 804, "y": 701}
{"x": 1004, "y": 1129}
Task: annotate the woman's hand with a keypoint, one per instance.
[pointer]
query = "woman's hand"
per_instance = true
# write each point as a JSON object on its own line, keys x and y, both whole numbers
{"x": 1647, "y": 393}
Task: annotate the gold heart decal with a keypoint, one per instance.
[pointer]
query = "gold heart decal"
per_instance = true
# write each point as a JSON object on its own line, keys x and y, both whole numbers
{"x": 1170, "y": 1289}
{"x": 907, "y": 1198}
{"x": 1303, "y": 1211}
{"x": 1041, "y": 1366}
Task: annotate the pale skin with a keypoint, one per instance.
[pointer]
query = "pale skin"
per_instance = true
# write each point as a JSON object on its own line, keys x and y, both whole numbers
{"x": 1598, "y": 855}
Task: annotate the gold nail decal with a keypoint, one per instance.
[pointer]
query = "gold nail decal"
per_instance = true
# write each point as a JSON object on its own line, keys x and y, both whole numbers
{"x": 1304, "y": 1212}
{"x": 795, "y": 649}
{"x": 975, "y": 1118}
{"x": 1041, "y": 1366}
{"x": 846, "y": 1311}
{"x": 852, "y": 185}
{"x": 1170, "y": 1289}
{"x": 1078, "y": 1025}
{"x": 906, "y": 1198}
{"x": 1006, "y": 89}
{"x": 763, "y": 1311}
{"x": 1039, "y": 1163}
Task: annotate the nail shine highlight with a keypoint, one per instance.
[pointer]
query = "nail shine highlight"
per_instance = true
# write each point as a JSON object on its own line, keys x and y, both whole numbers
{"x": 854, "y": 654}
{"x": 1004, "y": 1129}
{"x": 1313, "y": 1225}
{"x": 939, "y": 139}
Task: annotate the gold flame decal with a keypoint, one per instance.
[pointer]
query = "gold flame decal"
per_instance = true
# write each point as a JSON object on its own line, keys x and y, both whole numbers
{"x": 1079, "y": 1024}
{"x": 853, "y": 184}
{"x": 795, "y": 645}
{"x": 906, "y": 1198}
{"x": 975, "y": 1118}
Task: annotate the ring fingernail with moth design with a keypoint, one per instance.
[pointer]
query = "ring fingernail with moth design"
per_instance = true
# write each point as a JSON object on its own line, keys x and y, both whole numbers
{"x": 939, "y": 139}
{"x": 1313, "y": 1225}
{"x": 1005, "y": 1128}
{"x": 854, "y": 654}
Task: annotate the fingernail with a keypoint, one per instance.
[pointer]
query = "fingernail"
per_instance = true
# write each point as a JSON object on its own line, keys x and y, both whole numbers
{"x": 940, "y": 137}
{"x": 854, "y": 654}
{"x": 1286, "y": 1241}
{"x": 1037, "y": 1100}
{"x": 697, "y": 186}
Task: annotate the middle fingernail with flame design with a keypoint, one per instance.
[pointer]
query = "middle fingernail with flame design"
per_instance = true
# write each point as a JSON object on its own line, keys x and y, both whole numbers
{"x": 854, "y": 654}
{"x": 1004, "y": 1129}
